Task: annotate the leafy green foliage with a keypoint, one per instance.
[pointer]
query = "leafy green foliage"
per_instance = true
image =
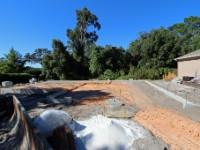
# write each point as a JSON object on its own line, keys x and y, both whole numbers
{"x": 81, "y": 36}
{"x": 108, "y": 58}
{"x": 156, "y": 49}
{"x": 15, "y": 77}
{"x": 12, "y": 63}
{"x": 150, "y": 56}
{"x": 142, "y": 73}
{"x": 96, "y": 67}
{"x": 189, "y": 33}
{"x": 37, "y": 56}
{"x": 57, "y": 64}
{"x": 81, "y": 39}
{"x": 109, "y": 75}
{"x": 33, "y": 71}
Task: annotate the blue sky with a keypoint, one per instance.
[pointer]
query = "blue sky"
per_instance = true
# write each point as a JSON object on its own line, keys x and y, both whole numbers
{"x": 30, "y": 24}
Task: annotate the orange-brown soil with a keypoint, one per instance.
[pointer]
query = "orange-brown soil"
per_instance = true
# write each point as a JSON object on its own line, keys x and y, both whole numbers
{"x": 177, "y": 131}
{"x": 121, "y": 90}
{"x": 180, "y": 133}
{"x": 63, "y": 86}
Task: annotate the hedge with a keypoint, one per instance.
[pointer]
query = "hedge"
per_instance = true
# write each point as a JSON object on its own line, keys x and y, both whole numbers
{"x": 15, "y": 77}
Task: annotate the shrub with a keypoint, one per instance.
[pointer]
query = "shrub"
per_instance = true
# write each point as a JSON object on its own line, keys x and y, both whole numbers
{"x": 33, "y": 71}
{"x": 164, "y": 71}
{"x": 124, "y": 77}
{"x": 109, "y": 74}
{"x": 15, "y": 77}
{"x": 144, "y": 73}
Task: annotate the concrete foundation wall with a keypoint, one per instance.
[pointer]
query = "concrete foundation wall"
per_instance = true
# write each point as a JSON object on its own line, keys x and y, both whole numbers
{"x": 188, "y": 67}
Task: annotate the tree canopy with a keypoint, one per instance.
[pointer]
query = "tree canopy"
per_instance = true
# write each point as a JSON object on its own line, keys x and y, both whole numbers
{"x": 189, "y": 33}
{"x": 57, "y": 64}
{"x": 81, "y": 36}
{"x": 37, "y": 56}
{"x": 146, "y": 57}
{"x": 12, "y": 63}
{"x": 156, "y": 49}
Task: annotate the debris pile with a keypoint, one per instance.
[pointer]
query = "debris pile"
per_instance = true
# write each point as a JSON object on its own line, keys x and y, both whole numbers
{"x": 176, "y": 80}
{"x": 195, "y": 80}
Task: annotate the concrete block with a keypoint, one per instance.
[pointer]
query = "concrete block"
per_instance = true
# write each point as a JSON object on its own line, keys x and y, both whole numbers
{"x": 7, "y": 84}
{"x": 65, "y": 100}
{"x": 33, "y": 80}
{"x": 68, "y": 100}
{"x": 115, "y": 103}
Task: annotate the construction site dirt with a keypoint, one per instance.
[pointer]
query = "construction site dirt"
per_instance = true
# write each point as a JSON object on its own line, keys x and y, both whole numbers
{"x": 168, "y": 121}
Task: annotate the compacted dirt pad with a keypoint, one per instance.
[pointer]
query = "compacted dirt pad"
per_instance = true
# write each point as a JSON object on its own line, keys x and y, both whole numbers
{"x": 154, "y": 108}
{"x": 180, "y": 133}
{"x": 177, "y": 131}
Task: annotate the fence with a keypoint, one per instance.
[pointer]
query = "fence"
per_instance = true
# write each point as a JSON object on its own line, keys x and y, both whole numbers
{"x": 169, "y": 76}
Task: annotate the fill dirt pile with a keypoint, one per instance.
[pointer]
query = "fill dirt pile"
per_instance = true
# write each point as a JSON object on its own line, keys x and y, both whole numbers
{"x": 100, "y": 132}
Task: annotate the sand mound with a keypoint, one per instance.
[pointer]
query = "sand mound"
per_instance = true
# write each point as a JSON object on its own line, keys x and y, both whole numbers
{"x": 104, "y": 133}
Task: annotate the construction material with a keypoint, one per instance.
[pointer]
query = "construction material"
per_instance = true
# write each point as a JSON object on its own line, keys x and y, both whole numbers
{"x": 116, "y": 109}
{"x": 115, "y": 103}
{"x": 186, "y": 78}
{"x": 50, "y": 120}
{"x": 33, "y": 80}
{"x": 176, "y": 80}
{"x": 19, "y": 132}
{"x": 7, "y": 84}
{"x": 100, "y": 132}
{"x": 195, "y": 80}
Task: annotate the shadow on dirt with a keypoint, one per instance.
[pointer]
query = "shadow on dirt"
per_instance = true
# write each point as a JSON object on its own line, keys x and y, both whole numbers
{"x": 91, "y": 95}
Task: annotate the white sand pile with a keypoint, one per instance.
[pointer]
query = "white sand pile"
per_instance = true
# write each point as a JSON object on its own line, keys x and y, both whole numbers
{"x": 104, "y": 133}
{"x": 50, "y": 120}
{"x": 99, "y": 132}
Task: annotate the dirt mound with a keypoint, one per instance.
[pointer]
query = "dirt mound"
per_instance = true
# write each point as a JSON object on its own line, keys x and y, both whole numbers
{"x": 100, "y": 132}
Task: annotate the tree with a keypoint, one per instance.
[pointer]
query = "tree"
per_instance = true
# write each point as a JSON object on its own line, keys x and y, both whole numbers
{"x": 189, "y": 33}
{"x": 108, "y": 58}
{"x": 135, "y": 48}
{"x": 12, "y": 63}
{"x": 37, "y": 56}
{"x": 81, "y": 36}
{"x": 96, "y": 62}
{"x": 89, "y": 47}
{"x": 61, "y": 58}
{"x": 156, "y": 49}
{"x": 47, "y": 67}
{"x": 33, "y": 71}
{"x": 56, "y": 65}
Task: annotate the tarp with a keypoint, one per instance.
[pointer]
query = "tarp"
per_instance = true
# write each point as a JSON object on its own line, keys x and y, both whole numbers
{"x": 19, "y": 133}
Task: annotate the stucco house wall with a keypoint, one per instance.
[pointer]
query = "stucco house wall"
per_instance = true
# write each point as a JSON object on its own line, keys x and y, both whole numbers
{"x": 189, "y": 67}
